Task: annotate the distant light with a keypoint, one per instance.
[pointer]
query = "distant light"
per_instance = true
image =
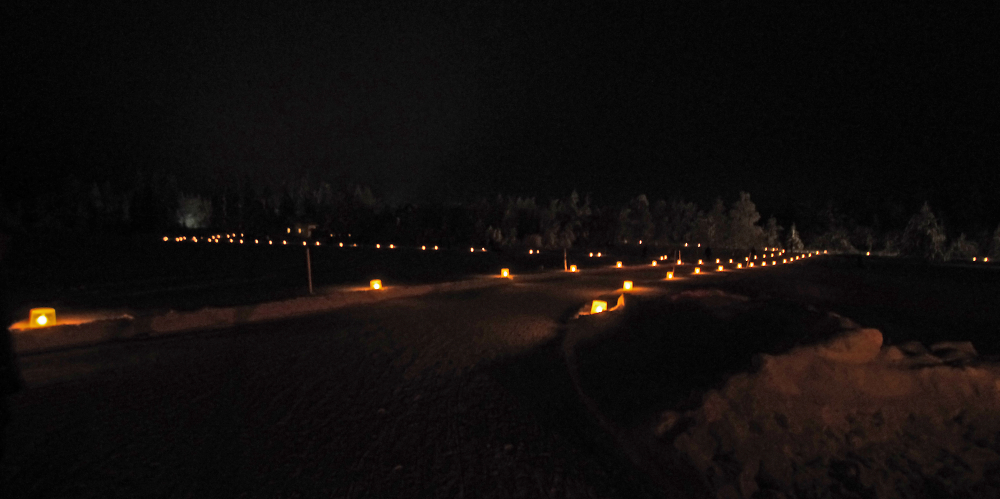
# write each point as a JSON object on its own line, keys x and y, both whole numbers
{"x": 751, "y": 264}
{"x": 230, "y": 240}
{"x": 739, "y": 265}
{"x": 618, "y": 264}
{"x": 783, "y": 260}
{"x": 284, "y": 242}
{"x": 341, "y": 245}
{"x": 679, "y": 262}
{"x": 591, "y": 255}
{"x": 376, "y": 284}
{"x": 472, "y": 250}
{"x": 300, "y": 230}
{"x": 194, "y": 239}
{"x": 392, "y": 246}
{"x": 640, "y": 241}
{"x": 317, "y": 243}
{"x": 627, "y": 285}
{"x": 598, "y": 255}
{"x": 422, "y": 248}
{"x": 504, "y": 272}
{"x": 435, "y": 248}
{"x": 270, "y": 241}
{"x": 654, "y": 263}
{"x": 378, "y": 246}
{"x": 598, "y": 306}
{"x": 165, "y": 238}
{"x": 697, "y": 270}
{"x": 730, "y": 260}
{"x": 289, "y": 230}
{"x": 484, "y": 250}
{"x": 763, "y": 264}
{"x": 256, "y": 241}
{"x": 986, "y": 259}
{"x": 572, "y": 268}
{"x": 42, "y": 317}
{"x": 241, "y": 241}
{"x": 685, "y": 245}
{"x": 699, "y": 245}
{"x": 531, "y": 252}
{"x": 670, "y": 275}
{"x": 699, "y": 262}
{"x": 720, "y": 268}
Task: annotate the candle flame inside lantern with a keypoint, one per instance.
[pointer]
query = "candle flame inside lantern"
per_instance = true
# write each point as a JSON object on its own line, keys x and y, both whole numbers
{"x": 627, "y": 285}
{"x": 376, "y": 284}
{"x": 720, "y": 268}
{"x": 654, "y": 263}
{"x": 598, "y": 306}
{"x": 504, "y": 272}
{"x": 572, "y": 268}
{"x": 619, "y": 265}
{"x": 670, "y": 275}
{"x": 697, "y": 270}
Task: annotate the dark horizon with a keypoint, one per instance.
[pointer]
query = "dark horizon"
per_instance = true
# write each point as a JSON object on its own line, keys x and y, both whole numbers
{"x": 851, "y": 103}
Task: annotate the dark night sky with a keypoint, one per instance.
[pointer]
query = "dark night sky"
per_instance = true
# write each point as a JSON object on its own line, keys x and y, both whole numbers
{"x": 790, "y": 103}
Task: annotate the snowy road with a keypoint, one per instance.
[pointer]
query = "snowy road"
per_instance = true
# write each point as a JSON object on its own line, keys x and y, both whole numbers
{"x": 446, "y": 395}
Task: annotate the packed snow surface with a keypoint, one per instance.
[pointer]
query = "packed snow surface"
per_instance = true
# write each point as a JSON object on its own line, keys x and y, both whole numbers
{"x": 849, "y": 418}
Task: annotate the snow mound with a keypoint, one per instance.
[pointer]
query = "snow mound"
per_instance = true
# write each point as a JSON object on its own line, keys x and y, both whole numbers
{"x": 849, "y": 418}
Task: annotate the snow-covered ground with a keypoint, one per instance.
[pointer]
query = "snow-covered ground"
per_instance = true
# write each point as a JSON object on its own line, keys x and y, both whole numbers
{"x": 849, "y": 417}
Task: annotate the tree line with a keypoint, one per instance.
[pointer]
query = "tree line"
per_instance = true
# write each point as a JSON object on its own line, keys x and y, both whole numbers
{"x": 153, "y": 204}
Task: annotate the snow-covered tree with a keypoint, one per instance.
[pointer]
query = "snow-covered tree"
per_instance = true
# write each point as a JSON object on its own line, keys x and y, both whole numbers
{"x": 962, "y": 249}
{"x": 924, "y": 236}
{"x": 793, "y": 242}
{"x": 743, "y": 229}
{"x": 772, "y": 232}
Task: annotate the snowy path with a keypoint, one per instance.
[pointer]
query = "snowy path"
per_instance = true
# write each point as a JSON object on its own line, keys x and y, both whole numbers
{"x": 453, "y": 395}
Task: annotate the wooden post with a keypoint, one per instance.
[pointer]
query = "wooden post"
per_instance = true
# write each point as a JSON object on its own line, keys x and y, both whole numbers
{"x": 309, "y": 270}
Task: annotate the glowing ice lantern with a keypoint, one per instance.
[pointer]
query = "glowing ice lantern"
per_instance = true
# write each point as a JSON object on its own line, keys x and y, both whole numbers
{"x": 627, "y": 285}
{"x": 378, "y": 246}
{"x": 376, "y": 284}
{"x": 699, "y": 262}
{"x": 504, "y": 272}
{"x": 435, "y": 248}
{"x": 392, "y": 246}
{"x": 670, "y": 275}
{"x": 572, "y": 268}
{"x": 531, "y": 252}
{"x": 679, "y": 262}
{"x": 42, "y": 317}
{"x": 618, "y": 264}
{"x": 423, "y": 248}
{"x": 341, "y": 245}
{"x": 654, "y": 263}
{"x": 598, "y": 306}
{"x": 598, "y": 255}
{"x": 697, "y": 270}
{"x": 591, "y": 255}
{"x": 739, "y": 265}
{"x": 472, "y": 250}
{"x": 165, "y": 238}
{"x": 751, "y": 264}
{"x": 717, "y": 261}
{"x": 720, "y": 268}
{"x": 764, "y": 264}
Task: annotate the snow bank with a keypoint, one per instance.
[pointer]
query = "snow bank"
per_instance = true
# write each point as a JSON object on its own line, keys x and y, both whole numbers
{"x": 849, "y": 418}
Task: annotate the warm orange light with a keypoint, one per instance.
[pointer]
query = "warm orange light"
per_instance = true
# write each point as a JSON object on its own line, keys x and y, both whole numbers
{"x": 270, "y": 242}
{"x": 378, "y": 246}
{"x": 685, "y": 245}
{"x": 392, "y": 246}
{"x": 289, "y": 230}
{"x": 435, "y": 248}
{"x": 720, "y": 268}
{"x": 317, "y": 243}
{"x": 472, "y": 250}
{"x": 739, "y": 265}
{"x": 423, "y": 248}
{"x": 376, "y": 284}
{"x": 699, "y": 262}
{"x": 42, "y": 317}
{"x": 598, "y": 306}
{"x": 531, "y": 252}
{"x": 763, "y": 264}
{"x": 627, "y": 285}
{"x": 591, "y": 255}
{"x": 670, "y": 275}
{"x": 986, "y": 259}
{"x": 751, "y": 264}
{"x": 730, "y": 260}
{"x": 284, "y": 242}
{"x": 504, "y": 272}
{"x": 165, "y": 238}
{"x": 679, "y": 262}
{"x": 484, "y": 250}
{"x": 572, "y": 268}
{"x": 697, "y": 270}
{"x": 341, "y": 245}
{"x": 241, "y": 241}
{"x": 654, "y": 263}
{"x": 784, "y": 260}
{"x": 618, "y": 264}
{"x": 717, "y": 261}
{"x": 598, "y": 254}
